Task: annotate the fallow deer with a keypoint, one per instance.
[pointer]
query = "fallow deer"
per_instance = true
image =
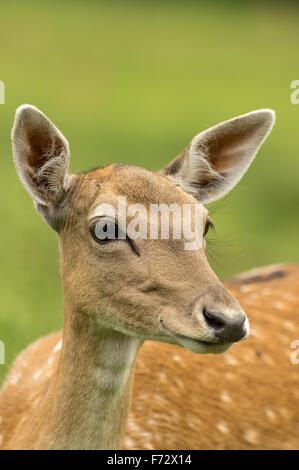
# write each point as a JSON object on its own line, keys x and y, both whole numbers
{"x": 72, "y": 390}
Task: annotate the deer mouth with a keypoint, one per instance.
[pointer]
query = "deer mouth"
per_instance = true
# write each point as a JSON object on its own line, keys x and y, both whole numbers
{"x": 202, "y": 347}
{"x": 195, "y": 345}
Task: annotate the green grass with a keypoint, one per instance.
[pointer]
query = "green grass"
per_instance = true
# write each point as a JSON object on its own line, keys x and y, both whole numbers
{"x": 133, "y": 82}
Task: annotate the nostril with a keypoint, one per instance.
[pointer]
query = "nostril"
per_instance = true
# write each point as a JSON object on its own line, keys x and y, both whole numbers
{"x": 213, "y": 319}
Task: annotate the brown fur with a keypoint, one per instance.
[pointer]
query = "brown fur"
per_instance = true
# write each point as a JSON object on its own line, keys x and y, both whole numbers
{"x": 74, "y": 391}
{"x": 245, "y": 399}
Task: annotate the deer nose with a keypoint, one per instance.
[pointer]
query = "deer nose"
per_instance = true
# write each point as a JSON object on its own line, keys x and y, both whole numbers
{"x": 227, "y": 330}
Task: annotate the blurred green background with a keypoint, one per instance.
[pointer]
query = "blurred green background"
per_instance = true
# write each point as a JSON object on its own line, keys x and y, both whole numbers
{"x": 133, "y": 82}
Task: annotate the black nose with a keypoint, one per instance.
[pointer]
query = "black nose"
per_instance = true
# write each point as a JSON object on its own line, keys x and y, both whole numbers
{"x": 226, "y": 329}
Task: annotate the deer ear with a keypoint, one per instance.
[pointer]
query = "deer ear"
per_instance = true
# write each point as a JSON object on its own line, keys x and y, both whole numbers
{"x": 216, "y": 159}
{"x": 41, "y": 156}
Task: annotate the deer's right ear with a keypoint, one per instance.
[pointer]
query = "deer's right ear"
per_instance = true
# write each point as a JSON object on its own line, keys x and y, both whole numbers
{"x": 41, "y": 156}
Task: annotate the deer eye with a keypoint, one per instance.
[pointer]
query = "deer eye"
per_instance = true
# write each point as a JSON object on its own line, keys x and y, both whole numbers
{"x": 105, "y": 230}
{"x": 209, "y": 224}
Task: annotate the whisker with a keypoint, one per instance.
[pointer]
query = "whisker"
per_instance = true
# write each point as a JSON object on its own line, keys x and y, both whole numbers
{"x": 215, "y": 207}
{"x": 159, "y": 382}
{"x": 170, "y": 355}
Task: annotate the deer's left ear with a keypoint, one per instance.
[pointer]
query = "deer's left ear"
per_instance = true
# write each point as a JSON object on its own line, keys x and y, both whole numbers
{"x": 216, "y": 159}
{"x": 41, "y": 156}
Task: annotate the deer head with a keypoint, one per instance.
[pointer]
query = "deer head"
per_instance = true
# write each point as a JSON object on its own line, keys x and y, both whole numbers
{"x": 145, "y": 288}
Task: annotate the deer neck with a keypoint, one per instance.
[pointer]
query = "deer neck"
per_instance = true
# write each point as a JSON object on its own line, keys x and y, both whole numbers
{"x": 92, "y": 390}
